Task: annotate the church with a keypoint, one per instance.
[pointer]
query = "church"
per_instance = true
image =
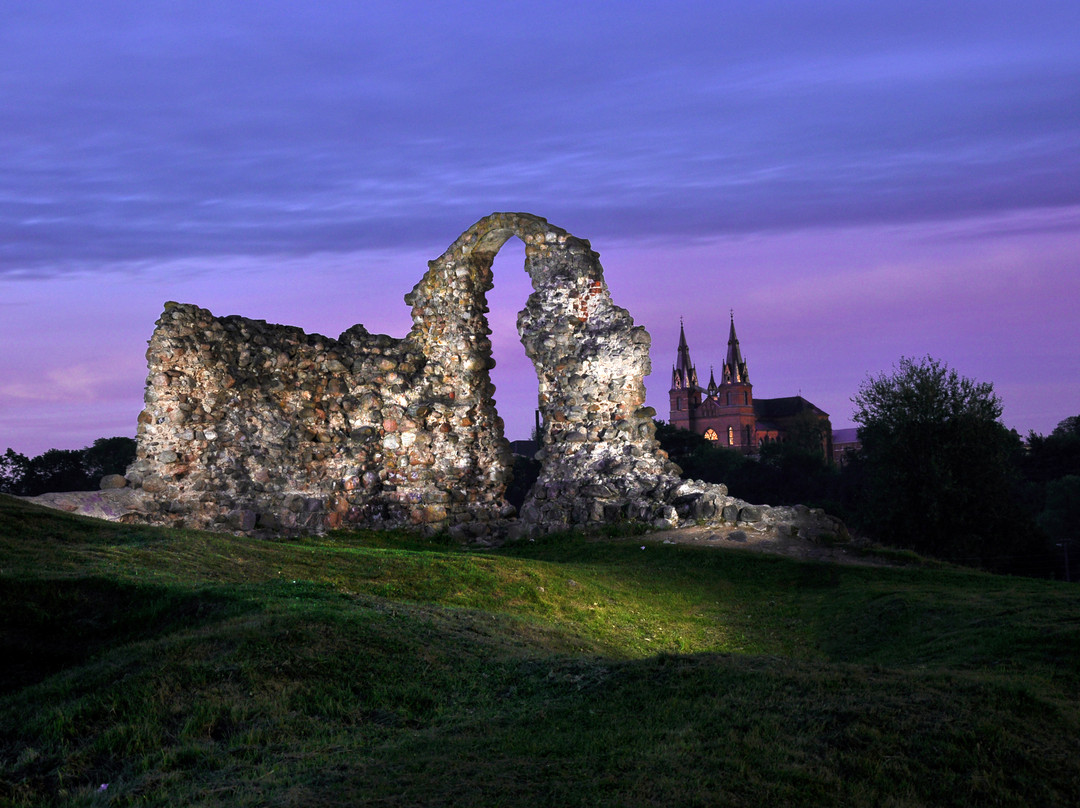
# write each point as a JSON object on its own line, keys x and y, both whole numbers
{"x": 727, "y": 413}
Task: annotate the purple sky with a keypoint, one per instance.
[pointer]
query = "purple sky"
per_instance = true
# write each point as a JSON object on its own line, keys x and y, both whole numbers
{"x": 858, "y": 181}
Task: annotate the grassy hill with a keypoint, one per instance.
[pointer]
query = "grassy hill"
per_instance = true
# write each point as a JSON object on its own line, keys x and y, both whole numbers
{"x": 185, "y": 668}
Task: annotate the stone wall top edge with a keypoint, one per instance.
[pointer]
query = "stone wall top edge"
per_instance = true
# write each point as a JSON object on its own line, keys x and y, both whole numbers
{"x": 354, "y": 333}
{"x": 520, "y": 223}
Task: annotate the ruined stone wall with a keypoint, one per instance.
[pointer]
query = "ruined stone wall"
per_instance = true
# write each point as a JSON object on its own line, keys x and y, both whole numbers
{"x": 250, "y": 426}
{"x": 600, "y": 459}
{"x": 253, "y": 425}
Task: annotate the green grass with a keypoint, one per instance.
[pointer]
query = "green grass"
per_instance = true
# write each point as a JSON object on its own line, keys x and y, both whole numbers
{"x": 186, "y": 668}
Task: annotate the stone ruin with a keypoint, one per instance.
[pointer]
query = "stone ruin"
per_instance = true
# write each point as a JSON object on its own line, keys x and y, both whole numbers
{"x": 264, "y": 428}
{"x": 250, "y": 426}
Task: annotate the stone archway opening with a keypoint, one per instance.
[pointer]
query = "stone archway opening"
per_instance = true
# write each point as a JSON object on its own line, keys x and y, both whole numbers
{"x": 513, "y": 375}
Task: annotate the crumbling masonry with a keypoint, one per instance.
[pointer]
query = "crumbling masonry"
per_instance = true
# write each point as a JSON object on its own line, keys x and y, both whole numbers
{"x": 250, "y": 426}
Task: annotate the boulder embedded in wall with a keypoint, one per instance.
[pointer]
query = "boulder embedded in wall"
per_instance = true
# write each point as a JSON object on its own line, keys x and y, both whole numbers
{"x": 111, "y": 481}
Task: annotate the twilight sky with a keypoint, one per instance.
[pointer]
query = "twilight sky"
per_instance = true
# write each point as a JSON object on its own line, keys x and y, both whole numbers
{"x": 858, "y": 181}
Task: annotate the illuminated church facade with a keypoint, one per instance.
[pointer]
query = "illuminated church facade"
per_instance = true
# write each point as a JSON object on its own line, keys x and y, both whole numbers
{"x": 727, "y": 413}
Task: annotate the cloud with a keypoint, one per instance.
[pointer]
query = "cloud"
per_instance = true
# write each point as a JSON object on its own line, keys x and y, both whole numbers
{"x": 137, "y": 132}
{"x": 850, "y": 168}
{"x": 59, "y": 384}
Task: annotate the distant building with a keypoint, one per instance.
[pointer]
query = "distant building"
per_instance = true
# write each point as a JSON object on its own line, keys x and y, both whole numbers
{"x": 844, "y": 440}
{"x": 727, "y": 413}
{"x": 524, "y": 448}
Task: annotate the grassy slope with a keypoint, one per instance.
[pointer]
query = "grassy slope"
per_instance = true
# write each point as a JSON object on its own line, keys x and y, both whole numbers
{"x": 190, "y": 668}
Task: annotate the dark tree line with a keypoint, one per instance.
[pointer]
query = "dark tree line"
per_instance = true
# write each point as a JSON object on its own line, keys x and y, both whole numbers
{"x": 791, "y": 472}
{"x": 1052, "y": 473}
{"x": 64, "y": 469}
{"x": 936, "y": 472}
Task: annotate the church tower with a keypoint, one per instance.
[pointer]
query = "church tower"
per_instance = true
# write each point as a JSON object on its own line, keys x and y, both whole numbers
{"x": 685, "y": 393}
{"x": 726, "y": 414}
{"x": 734, "y": 365}
{"x": 735, "y": 395}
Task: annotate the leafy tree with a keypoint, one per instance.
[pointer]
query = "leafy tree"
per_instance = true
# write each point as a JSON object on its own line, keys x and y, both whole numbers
{"x": 65, "y": 469}
{"x": 787, "y": 473}
{"x": 796, "y": 471}
{"x": 12, "y": 469}
{"x": 804, "y": 438}
{"x": 1061, "y": 517}
{"x": 698, "y": 458}
{"x": 108, "y": 456}
{"x": 1055, "y": 455}
{"x": 56, "y": 470}
{"x": 940, "y": 468}
{"x": 676, "y": 441}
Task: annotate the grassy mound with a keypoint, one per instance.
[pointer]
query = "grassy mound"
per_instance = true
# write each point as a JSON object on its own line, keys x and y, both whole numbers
{"x": 186, "y": 668}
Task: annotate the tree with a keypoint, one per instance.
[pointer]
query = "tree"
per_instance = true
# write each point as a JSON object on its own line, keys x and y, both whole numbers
{"x": 788, "y": 473}
{"x": 940, "y": 468}
{"x": 1056, "y": 455}
{"x": 65, "y": 469}
{"x": 1061, "y": 517}
{"x": 12, "y": 470}
{"x": 698, "y": 458}
{"x": 676, "y": 441}
{"x": 796, "y": 470}
{"x": 55, "y": 470}
{"x": 108, "y": 456}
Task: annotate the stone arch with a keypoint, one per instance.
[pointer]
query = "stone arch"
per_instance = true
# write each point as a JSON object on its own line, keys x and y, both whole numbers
{"x": 600, "y": 460}
{"x": 259, "y": 427}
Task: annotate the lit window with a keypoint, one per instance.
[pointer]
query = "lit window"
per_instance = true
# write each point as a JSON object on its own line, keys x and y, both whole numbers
{"x": 731, "y": 436}
{"x": 710, "y": 434}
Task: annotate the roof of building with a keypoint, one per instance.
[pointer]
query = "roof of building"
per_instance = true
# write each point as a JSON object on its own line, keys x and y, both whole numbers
{"x": 787, "y": 407}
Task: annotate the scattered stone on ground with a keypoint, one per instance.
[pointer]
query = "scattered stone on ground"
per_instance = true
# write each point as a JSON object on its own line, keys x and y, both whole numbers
{"x": 128, "y": 505}
{"x": 768, "y": 539}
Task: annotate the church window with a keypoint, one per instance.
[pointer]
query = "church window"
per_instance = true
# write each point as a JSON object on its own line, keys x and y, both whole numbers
{"x": 729, "y": 399}
{"x": 731, "y": 436}
{"x": 745, "y": 397}
{"x": 710, "y": 434}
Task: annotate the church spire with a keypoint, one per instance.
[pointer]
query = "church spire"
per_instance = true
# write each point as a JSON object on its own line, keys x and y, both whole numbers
{"x": 734, "y": 366}
{"x": 683, "y": 374}
{"x": 712, "y": 382}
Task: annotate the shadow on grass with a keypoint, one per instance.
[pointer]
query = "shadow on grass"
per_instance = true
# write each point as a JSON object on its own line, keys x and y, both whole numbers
{"x": 49, "y": 625}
